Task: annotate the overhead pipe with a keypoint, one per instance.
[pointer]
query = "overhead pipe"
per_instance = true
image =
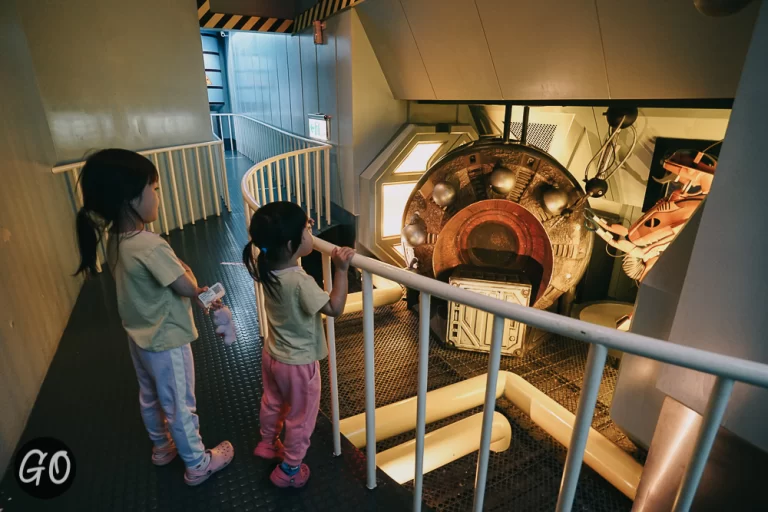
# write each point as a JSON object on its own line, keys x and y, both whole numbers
{"x": 602, "y": 455}
{"x": 524, "y": 134}
{"x": 507, "y": 122}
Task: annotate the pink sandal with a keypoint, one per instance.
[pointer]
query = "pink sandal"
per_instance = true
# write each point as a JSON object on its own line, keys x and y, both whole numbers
{"x": 221, "y": 456}
{"x": 164, "y": 456}
{"x": 283, "y": 480}
{"x": 269, "y": 451}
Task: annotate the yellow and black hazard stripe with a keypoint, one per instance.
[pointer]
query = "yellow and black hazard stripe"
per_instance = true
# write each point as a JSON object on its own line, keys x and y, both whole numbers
{"x": 322, "y": 10}
{"x": 221, "y": 21}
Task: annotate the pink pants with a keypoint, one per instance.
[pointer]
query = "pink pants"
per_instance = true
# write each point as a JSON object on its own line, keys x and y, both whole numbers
{"x": 291, "y": 398}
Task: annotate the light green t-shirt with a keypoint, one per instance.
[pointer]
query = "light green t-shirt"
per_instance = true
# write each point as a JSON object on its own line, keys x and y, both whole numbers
{"x": 155, "y": 317}
{"x": 296, "y": 334}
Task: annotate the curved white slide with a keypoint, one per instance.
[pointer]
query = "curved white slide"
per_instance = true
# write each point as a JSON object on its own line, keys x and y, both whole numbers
{"x": 444, "y": 445}
{"x": 607, "y": 459}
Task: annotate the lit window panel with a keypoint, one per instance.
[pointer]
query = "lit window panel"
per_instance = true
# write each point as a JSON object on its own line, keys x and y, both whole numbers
{"x": 394, "y": 196}
{"x": 400, "y": 250}
{"x": 418, "y": 158}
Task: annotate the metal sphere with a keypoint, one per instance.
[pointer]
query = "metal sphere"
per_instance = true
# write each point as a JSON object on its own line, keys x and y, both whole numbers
{"x": 444, "y": 193}
{"x": 596, "y": 187}
{"x": 555, "y": 200}
{"x": 415, "y": 234}
{"x": 502, "y": 180}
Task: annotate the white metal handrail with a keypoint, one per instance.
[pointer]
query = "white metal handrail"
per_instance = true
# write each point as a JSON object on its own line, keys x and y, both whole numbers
{"x": 727, "y": 370}
{"x": 211, "y": 183}
{"x": 290, "y": 166}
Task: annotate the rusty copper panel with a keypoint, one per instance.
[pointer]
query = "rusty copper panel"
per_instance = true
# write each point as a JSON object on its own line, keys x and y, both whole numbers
{"x": 496, "y": 233}
{"x": 468, "y": 168}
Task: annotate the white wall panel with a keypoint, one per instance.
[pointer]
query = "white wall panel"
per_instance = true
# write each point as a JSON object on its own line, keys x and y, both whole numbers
{"x": 667, "y": 49}
{"x": 453, "y": 46}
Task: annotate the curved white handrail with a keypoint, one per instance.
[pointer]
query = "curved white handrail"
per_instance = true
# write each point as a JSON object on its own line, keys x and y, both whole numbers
{"x": 727, "y": 369}
{"x": 273, "y": 128}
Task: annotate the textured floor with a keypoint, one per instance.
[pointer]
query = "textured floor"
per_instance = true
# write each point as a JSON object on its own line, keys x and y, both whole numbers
{"x": 526, "y": 476}
{"x": 88, "y": 400}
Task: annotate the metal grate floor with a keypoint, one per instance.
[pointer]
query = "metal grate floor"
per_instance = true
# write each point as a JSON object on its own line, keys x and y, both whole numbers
{"x": 89, "y": 401}
{"x": 525, "y": 477}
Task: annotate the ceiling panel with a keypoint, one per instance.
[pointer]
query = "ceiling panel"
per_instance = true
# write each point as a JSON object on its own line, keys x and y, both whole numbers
{"x": 452, "y": 44}
{"x": 666, "y": 49}
{"x": 392, "y": 41}
{"x": 545, "y": 49}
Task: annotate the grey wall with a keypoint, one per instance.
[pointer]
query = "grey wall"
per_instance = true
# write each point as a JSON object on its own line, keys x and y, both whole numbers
{"x": 722, "y": 304}
{"x": 279, "y": 79}
{"x": 77, "y": 76}
{"x": 555, "y": 50}
{"x": 37, "y": 245}
{"x": 125, "y": 74}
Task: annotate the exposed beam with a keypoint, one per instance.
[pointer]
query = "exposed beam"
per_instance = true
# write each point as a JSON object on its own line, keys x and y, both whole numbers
{"x": 321, "y": 11}
{"x": 232, "y": 21}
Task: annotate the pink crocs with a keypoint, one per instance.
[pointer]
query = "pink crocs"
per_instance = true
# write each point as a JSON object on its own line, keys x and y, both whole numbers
{"x": 220, "y": 457}
{"x": 163, "y": 456}
{"x": 268, "y": 451}
{"x": 283, "y": 480}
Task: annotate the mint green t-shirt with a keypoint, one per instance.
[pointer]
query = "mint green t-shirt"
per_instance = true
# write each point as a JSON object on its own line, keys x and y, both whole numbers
{"x": 296, "y": 335}
{"x": 155, "y": 317}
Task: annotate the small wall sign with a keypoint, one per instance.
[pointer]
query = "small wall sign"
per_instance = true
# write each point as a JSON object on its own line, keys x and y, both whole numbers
{"x": 320, "y": 127}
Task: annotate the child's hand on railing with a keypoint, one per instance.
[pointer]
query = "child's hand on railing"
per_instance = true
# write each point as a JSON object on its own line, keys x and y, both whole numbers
{"x": 341, "y": 257}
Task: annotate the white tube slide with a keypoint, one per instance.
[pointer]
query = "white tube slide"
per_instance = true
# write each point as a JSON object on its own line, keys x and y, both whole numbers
{"x": 443, "y": 446}
{"x": 607, "y": 459}
{"x": 385, "y": 292}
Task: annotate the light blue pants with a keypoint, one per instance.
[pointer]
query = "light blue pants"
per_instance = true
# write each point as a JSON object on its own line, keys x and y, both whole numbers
{"x": 167, "y": 399}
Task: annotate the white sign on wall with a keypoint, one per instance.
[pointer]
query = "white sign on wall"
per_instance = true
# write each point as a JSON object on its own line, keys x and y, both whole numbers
{"x": 320, "y": 127}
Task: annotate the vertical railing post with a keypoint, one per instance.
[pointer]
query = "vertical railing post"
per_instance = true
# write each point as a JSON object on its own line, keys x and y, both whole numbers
{"x": 261, "y": 186}
{"x": 212, "y": 168}
{"x": 494, "y": 362}
{"x": 333, "y": 378}
{"x": 279, "y": 170}
{"x": 421, "y": 406}
{"x": 288, "y": 177}
{"x": 713, "y": 416}
{"x": 186, "y": 182}
{"x": 298, "y": 178}
{"x": 224, "y": 179}
{"x": 200, "y": 182}
{"x": 370, "y": 381}
{"x": 162, "y": 196}
{"x": 231, "y": 134}
{"x": 583, "y": 422}
{"x": 307, "y": 185}
{"x": 176, "y": 202}
{"x": 271, "y": 185}
{"x": 318, "y": 189}
{"x": 327, "y": 153}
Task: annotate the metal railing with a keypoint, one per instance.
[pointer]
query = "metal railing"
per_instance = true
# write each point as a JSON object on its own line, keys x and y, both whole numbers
{"x": 203, "y": 190}
{"x": 726, "y": 369}
{"x": 290, "y": 168}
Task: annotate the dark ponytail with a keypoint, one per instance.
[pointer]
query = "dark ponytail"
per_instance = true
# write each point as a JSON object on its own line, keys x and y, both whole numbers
{"x": 89, "y": 235}
{"x": 109, "y": 181}
{"x": 272, "y": 227}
